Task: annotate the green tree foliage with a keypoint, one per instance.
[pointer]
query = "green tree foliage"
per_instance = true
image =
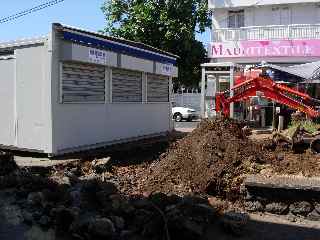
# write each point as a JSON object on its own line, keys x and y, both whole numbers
{"x": 170, "y": 25}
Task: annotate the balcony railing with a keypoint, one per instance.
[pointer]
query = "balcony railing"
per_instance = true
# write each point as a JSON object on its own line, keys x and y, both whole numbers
{"x": 271, "y": 32}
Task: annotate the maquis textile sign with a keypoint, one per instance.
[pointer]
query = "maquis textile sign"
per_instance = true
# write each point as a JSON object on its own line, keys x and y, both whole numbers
{"x": 267, "y": 48}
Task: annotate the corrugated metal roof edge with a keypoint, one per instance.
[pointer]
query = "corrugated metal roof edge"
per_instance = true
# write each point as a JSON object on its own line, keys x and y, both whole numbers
{"x": 283, "y": 69}
{"x": 297, "y": 70}
{"x": 23, "y": 42}
{"x": 119, "y": 40}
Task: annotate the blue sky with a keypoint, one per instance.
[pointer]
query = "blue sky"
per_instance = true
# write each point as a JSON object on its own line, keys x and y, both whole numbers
{"x": 79, "y": 13}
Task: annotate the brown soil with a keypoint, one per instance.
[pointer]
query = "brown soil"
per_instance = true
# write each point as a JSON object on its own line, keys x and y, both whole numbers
{"x": 212, "y": 159}
{"x": 286, "y": 162}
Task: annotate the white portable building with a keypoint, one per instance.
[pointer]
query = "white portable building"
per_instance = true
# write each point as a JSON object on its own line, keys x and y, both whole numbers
{"x": 76, "y": 90}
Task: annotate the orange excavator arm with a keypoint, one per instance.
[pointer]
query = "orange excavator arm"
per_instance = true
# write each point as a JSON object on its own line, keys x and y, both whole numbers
{"x": 277, "y": 92}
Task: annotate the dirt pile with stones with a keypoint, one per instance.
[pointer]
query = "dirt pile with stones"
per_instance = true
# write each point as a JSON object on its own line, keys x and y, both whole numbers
{"x": 77, "y": 203}
{"x": 212, "y": 159}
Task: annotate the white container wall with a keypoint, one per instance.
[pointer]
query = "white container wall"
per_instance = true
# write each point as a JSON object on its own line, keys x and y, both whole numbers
{"x": 77, "y": 90}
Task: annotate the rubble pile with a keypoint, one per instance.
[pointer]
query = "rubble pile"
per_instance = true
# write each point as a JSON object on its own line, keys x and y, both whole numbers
{"x": 94, "y": 209}
{"x": 212, "y": 159}
{"x": 151, "y": 197}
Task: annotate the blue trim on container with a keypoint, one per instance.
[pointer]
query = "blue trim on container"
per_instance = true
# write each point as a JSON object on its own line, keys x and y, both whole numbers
{"x": 139, "y": 53}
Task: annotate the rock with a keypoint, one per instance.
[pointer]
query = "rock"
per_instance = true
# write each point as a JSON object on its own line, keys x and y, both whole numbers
{"x": 27, "y": 217}
{"x": 216, "y": 203}
{"x": 280, "y": 157}
{"x": 194, "y": 200}
{"x": 173, "y": 212}
{"x": 276, "y": 208}
{"x": 192, "y": 228}
{"x": 65, "y": 180}
{"x": 47, "y": 207}
{"x": 182, "y": 227}
{"x": 49, "y": 195}
{"x": 141, "y": 217}
{"x": 102, "y": 165}
{"x": 300, "y": 208}
{"x": 119, "y": 222}
{"x": 153, "y": 228}
{"x": 291, "y": 217}
{"x": 8, "y": 181}
{"x": 200, "y": 212}
{"x": 75, "y": 196}
{"x": 317, "y": 207}
{"x": 88, "y": 196}
{"x": 101, "y": 227}
{"x": 314, "y": 215}
{"x": 44, "y": 221}
{"x": 108, "y": 188}
{"x": 120, "y": 204}
{"x": 79, "y": 226}
{"x": 103, "y": 196}
{"x": 235, "y": 222}
{"x": 63, "y": 217}
{"x": 254, "y": 206}
{"x": 248, "y": 196}
{"x": 7, "y": 163}
{"x": 141, "y": 203}
{"x": 127, "y": 234}
{"x": 62, "y": 180}
{"x": 174, "y": 199}
{"x": 159, "y": 199}
{"x": 35, "y": 198}
{"x": 36, "y": 215}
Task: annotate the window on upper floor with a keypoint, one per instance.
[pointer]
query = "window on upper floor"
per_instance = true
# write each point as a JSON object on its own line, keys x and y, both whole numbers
{"x": 236, "y": 19}
{"x": 280, "y": 16}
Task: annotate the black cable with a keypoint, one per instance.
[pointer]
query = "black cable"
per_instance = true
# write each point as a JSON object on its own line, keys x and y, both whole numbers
{"x": 29, "y": 11}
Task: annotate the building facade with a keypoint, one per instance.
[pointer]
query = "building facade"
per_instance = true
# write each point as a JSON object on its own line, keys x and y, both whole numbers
{"x": 248, "y": 32}
{"x": 273, "y": 31}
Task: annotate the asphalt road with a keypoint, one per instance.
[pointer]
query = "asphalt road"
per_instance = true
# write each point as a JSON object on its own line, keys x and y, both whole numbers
{"x": 186, "y": 126}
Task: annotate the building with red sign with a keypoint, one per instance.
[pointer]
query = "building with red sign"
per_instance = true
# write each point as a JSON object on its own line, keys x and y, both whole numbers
{"x": 248, "y": 32}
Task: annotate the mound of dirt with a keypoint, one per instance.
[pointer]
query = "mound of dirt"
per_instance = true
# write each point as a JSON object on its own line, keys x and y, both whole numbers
{"x": 212, "y": 159}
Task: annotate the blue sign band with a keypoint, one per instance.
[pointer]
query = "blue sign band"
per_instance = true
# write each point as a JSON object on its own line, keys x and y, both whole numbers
{"x": 114, "y": 47}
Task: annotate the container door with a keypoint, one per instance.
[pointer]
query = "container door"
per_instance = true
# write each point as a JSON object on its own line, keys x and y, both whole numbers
{"x": 30, "y": 105}
{"x": 7, "y": 102}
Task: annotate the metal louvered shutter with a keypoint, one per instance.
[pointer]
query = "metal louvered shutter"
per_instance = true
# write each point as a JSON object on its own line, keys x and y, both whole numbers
{"x": 83, "y": 83}
{"x": 158, "y": 88}
{"x": 126, "y": 86}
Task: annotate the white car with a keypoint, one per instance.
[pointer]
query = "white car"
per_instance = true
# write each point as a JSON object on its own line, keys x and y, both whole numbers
{"x": 180, "y": 113}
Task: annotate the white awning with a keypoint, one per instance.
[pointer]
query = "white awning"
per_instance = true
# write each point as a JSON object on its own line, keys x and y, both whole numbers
{"x": 308, "y": 71}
